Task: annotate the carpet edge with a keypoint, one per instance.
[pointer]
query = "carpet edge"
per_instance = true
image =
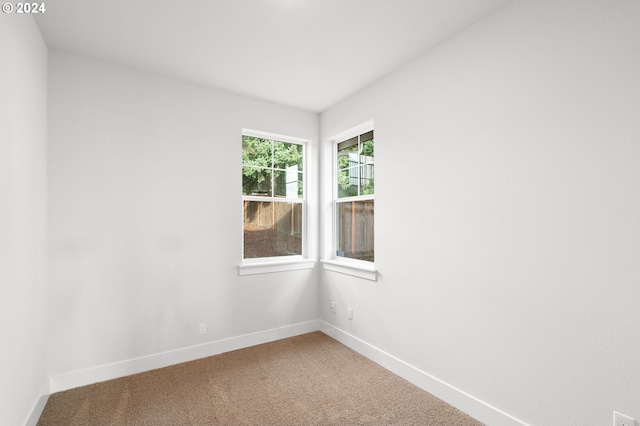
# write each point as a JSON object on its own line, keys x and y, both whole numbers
{"x": 463, "y": 401}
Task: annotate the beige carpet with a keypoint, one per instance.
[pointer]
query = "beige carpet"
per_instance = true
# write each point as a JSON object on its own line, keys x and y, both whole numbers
{"x": 304, "y": 380}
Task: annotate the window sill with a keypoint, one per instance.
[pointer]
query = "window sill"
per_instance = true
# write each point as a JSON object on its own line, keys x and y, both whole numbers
{"x": 361, "y": 269}
{"x": 275, "y": 266}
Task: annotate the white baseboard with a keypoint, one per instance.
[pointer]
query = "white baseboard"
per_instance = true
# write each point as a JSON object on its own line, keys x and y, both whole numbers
{"x": 114, "y": 370}
{"x": 38, "y": 405}
{"x": 461, "y": 400}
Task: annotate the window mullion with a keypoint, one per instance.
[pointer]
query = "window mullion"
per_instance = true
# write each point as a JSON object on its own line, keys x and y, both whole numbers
{"x": 273, "y": 166}
{"x": 359, "y": 166}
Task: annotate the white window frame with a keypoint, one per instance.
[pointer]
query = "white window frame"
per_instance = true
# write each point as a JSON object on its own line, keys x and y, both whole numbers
{"x": 262, "y": 265}
{"x": 332, "y": 262}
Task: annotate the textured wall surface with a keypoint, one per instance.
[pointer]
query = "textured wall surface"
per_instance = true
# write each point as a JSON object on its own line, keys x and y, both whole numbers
{"x": 507, "y": 234}
{"x": 23, "y": 292}
{"x": 512, "y": 154}
{"x": 146, "y": 216}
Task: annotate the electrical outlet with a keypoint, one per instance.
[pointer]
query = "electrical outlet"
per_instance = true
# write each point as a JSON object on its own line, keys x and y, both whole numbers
{"x": 620, "y": 419}
{"x": 350, "y": 313}
{"x": 333, "y": 306}
{"x": 203, "y": 328}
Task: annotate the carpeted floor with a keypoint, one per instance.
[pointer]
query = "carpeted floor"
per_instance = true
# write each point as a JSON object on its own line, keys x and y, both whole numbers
{"x": 304, "y": 380}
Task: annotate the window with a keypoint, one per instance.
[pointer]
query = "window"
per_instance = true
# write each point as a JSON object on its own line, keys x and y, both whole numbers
{"x": 354, "y": 197}
{"x": 273, "y": 196}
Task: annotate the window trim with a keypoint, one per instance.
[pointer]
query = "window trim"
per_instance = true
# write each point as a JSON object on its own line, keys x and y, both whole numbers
{"x": 259, "y": 265}
{"x": 266, "y": 267}
{"x": 355, "y": 267}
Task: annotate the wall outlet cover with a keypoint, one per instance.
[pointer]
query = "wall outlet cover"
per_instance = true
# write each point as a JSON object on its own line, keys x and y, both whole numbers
{"x": 620, "y": 419}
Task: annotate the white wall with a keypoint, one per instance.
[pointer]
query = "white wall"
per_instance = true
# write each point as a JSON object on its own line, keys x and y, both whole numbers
{"x": 146, "y": 216}
{"x": 507, "y": 206}
{"x": 23, "y": 298}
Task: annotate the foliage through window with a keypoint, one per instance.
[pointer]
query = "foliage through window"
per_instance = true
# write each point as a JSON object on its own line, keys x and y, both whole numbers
{"x": 355, "y": 197}
{"x": 273, "y": 197}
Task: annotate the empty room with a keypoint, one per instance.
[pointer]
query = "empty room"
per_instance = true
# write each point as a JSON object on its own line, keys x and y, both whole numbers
{"x": 192, "y": 232}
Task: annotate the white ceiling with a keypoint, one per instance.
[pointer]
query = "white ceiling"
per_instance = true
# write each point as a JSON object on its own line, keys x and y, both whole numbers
{"x": 308, "y": 54}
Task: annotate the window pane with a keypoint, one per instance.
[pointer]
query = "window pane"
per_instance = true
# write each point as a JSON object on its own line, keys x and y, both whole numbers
{"x": 256, "y": 151}
{"x": 366, "y": 180}
{"x": 355, "y": 230}
{"x": 366, "y": 136}
{"x": 355, "y": 166}
{"x": 348, "y": 145}
{"x": 366, "y": 153}
{"x": 288, "y": 183}
{"x": 347, "y": 153}
{"x": 286, "y": 155}
{"x": 272, "y": 229}
{"x": 256, "y": 181}
{"x": 348, "y": 182}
